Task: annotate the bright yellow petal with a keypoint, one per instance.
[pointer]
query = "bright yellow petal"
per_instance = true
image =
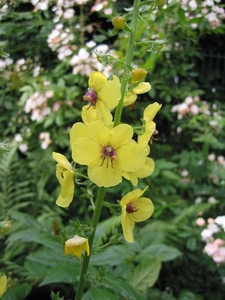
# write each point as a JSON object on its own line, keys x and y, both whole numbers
{"x": 144, "y": 139}
{"x": 65, "y": 178}
{"x": 78, "y": 131}
{"x": 130, "y": 156}
{"x": 105, "y": 175}
{"x": 3, "y": 285}
{"x": 62, "y": 160}
{"x": 84, "y": 151}
{"x": 145, "y": 209}
{"x": 129, "y": 98}
{"x": 103, "y": 113}
{"x": 121, "y": 134}
{"x": 76, "y": 245}
{"x": 110, "y": 93}
{"x": 147, "y": 169}
{"x": 97, "y": 80}
{"x": 98, "y": 132}
{"x": 142, "y": 88}
{"x": 88, "y": 114}
{"x": 151, "y": 110}
{"x": 132, "y": 196}
{"x": 128, "y": 227}
{"x": 132, "y": 177}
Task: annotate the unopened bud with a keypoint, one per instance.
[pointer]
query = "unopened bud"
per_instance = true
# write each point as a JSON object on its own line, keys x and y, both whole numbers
{"x": 119, "y": 22}
{"x": 5, "y": 226}
{"x": 138, "y": 75}
{"x": 160, "y": 3}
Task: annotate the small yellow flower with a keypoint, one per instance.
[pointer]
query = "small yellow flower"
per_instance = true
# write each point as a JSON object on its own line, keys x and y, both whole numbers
{"x": 131, "y": 96}
{"x": 3, "y": 285}
{"x": 76, "y": 245}
{"x": 107, "y": 152}
{"x": 65, "y": 176}
{"x": 150, "y": 126}
{"x": 135, "y": 208}
{"x": 103, "y": 95}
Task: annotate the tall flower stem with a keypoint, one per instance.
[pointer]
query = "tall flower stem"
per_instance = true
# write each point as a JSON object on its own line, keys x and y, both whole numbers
{"x": 86, "y": 259}
{"x": 129, "y": 57}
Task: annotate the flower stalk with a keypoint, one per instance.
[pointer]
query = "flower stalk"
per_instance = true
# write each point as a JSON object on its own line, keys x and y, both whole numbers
{"x": 86, "y": 258}
{"x": 129, "y": 56}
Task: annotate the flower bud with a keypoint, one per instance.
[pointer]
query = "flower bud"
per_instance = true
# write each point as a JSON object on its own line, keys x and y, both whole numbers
{"x": 119, "y": 22}
{"x": 5, "y": 226}
{"x": 138, "y": 75}
{"x": 160, "y": 3}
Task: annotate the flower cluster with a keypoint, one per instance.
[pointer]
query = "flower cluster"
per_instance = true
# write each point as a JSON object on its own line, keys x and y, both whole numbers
{"x": 37, "y": 105}
{"x": 208, "y": 9}
{"x": 215, "y": 245}
{"x": 110, "y": 152}
{"x": 189, "y": 106}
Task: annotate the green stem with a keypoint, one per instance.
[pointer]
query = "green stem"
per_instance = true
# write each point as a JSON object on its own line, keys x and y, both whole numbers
{"x": 129, "y": 56}
{"x": 86, "y": 259}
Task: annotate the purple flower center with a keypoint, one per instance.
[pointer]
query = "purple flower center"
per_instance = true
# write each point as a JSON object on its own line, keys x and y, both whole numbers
{"x": 131, "y": 207}
{"x": 91, "y": 97}
{"x": 108, "y": 152}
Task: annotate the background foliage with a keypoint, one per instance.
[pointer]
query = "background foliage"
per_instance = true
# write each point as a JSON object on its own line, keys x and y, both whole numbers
{"x": 50, "y": 56}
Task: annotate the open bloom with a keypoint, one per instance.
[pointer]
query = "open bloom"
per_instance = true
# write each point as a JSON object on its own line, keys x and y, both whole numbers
{"x": 65, "y": 176}
{"x": 103, "y": 94}
{"x": 76, "y": 245}
{"x": 150, "y": 126}
{"x": 131, "y": 96}
{"x": 3, "y": 285}
{"x": 135, "y": 208}
{"x": 107, "y": 152}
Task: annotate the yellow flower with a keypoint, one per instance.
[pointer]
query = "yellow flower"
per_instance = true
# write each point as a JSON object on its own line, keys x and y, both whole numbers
{"x": 76, "y": 245}
{"x": 65, "y": 176}
{"x": 107, "y": 152}
{"x": 138, "y": 75}
{"x": 103, "y": 95}
{"x": 150, "y": 126}
{"x": 135, "y": 208}
{"x": 3, "y": 285}
{"x": 131, "y": 96}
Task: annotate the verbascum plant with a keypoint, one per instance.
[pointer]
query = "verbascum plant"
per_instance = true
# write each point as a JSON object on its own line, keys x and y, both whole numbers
{"x": 108, "y": 148}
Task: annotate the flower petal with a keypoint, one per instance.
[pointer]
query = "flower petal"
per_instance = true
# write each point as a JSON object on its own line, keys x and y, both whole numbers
{"x": 110, "y": 93}
{"x": 130, "y": 156}
{"x": 147, "y": 169}
{"x": 103, "y": 112}
{"x": 62, "y": 160}
{"x": 99, "y": 133}
{"x": 151, "y": 110}
{"x": 88, "y": 114}
{"x": 105, "y": 174}
{"x": 145, "y": 209}
{"x": 97, "y": 80}
{"x": 121, "y": 134}
{"x": 142, "y": 88}
{"x": 128, "y": 227}
{"x": 132, "y": 196}
{"x": 78, "y": 131}
{"x": 129, "y": 98}
{"x": 84, "y": 151}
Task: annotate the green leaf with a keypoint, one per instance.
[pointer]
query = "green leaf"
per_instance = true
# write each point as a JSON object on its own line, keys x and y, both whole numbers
{"x": 95, "y": 293}
{"x": 161, "y": 251}
{"x": 122, "y": 288}
{"x": 35, "y": 270}
{"x": 113, "y": 255}
{"x": 145, "y": 274}
{"x": 170, "y": 175}
{"x": 24, "y": 218}
{"x": 17, "y": 292}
